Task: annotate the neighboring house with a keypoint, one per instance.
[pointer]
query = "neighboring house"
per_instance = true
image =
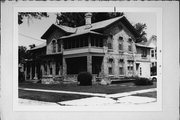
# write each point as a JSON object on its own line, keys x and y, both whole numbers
{"x": 105, "y": 49}
{"x": 153, "y": 54}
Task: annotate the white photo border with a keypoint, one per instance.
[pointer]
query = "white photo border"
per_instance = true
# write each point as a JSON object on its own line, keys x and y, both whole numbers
{"x": 157, "y": 106}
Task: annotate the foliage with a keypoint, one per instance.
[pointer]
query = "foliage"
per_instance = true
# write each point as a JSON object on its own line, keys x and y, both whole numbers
{"x": 77, "y": 19}
{"x": 32, "y": 46}
{"x": 84, "y": 78}
{"x": 22, "y": 53}
{"x": 143, "y": 81}
{"x": 140, "y": 28}
{"x": 29, "y": 15}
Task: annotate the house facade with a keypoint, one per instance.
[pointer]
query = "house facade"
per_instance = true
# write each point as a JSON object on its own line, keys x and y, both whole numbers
{"x": 153, "y": 54}
{"x": 105, "y": 49}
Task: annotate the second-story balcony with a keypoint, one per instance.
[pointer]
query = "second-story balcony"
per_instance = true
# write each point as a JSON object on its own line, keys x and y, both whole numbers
{"x": 83, "y": 50}
{"x": 89, "y": 42}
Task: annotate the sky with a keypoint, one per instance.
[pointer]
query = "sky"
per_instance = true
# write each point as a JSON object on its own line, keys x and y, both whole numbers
{"x": 30, "y": 32}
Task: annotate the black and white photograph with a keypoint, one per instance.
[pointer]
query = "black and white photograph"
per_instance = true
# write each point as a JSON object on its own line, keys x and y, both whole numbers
{"x": 87, "y": 58}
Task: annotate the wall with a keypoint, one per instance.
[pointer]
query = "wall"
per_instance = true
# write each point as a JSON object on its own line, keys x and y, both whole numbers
{"x": 116, "y": 31}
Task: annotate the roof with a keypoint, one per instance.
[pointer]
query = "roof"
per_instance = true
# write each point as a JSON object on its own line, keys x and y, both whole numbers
{"x": 61, "y": 27}
{"x": 142, "y": 44}
{"x": 81, "y": 33}
{"x": 99, "y": 25}
{"x": 94, "y": 26}
{"x": 153, "y": 40}
{"x": 39, "y": 46}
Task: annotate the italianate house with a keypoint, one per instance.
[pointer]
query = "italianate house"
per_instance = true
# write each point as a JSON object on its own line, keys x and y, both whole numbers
{"x": 106, "y": 49}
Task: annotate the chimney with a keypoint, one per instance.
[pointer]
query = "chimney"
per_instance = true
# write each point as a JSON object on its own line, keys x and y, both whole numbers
{"x": 88, "y": 20}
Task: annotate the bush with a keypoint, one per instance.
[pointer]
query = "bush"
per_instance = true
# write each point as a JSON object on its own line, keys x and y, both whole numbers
{"x": 143, "y": 81}
{"x": 84, "y": 78}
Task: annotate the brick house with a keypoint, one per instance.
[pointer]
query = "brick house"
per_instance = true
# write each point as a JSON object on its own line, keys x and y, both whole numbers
{"x": 105, "y": 49}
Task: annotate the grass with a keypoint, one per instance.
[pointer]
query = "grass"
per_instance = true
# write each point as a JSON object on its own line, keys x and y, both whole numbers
{"x": 108, "y": 89}
{"x": 49, "y": 97}
{"x": 147, "y": 94}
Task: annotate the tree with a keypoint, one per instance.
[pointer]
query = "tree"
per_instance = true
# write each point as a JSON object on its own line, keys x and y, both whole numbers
{"x": 29, "y": 15}
{"x": 32, "y": 46}
{"x": 22, "y": 54}
{"x": 77, "y": 19}
{"x": 140, "y": 28}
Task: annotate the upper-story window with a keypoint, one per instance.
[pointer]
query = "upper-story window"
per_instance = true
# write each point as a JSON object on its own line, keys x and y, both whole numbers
{"x": 144, "y": 52}
{"x": 152, "y": 53}
{"x": 130, "y": 45}
{"x": 120, "y": 43}
{"x": 59, "y": 46}
{"x": 110, "y": 43}
{"x": 54, "y": 46}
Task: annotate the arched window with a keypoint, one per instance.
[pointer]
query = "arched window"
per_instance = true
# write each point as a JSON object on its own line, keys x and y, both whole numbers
{"x": 110, "y": 43}
{"x": 54, "y": 46}
{"x": 110, "y": 66}
{"x": 120, "y": 43}
{"x": 130, "y": 47}
{"x": 121, "y": 67}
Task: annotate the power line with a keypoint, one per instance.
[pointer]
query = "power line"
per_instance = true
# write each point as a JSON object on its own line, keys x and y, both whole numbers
{"x": 31, "y": 37}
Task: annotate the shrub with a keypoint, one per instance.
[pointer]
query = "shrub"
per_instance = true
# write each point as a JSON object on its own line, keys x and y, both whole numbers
{"x": 84, "y": 78}
{"x": 143, "y": 81}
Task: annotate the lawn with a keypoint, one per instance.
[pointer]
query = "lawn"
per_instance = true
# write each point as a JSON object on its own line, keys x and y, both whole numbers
{"x": 147, "y": 94}
{"x": 49, "y": 97}
{"x": 108, "y": 89}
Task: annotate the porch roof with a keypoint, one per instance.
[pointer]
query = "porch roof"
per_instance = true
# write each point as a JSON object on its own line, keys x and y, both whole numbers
{"x": 142, "y": 45}
{"x": 81, "y": 33}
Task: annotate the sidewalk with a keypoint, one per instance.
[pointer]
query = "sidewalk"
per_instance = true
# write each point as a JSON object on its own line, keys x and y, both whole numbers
{"x": 98, "y": 99}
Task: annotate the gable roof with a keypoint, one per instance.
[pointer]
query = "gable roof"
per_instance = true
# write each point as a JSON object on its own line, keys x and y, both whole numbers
{"x": 54, "y": 27}
{"x": 152, "y": 40}
{"x": 81, "y": 33}
{"x": 94, "y": 26}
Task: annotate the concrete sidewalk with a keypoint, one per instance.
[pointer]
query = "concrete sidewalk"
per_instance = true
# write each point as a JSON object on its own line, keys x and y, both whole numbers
{"x": 98, "y": 99}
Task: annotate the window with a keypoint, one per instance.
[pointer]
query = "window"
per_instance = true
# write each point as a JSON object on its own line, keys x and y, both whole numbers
{"x": 110, "y": 64}
{"x": 109, "y": 45}
{"x": 156, "y": 54}
{"x": 54, "y": 46}
{"x": 110, "y": 71}
{"x": 130, "y": 48}
{"x": 140, "y": 71}
{"x": 121, "y": 67}
{"x": 130, "y": 66}
{"x": 121, "y": 71}
{"x": 144, "y": 52}
{"x": 152, "y": 53}
{"x": 110, "y": 42}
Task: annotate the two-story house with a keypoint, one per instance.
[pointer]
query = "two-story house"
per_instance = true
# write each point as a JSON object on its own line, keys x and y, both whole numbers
{"x": 153, "y": 54}
{"x": 106, "y": 48}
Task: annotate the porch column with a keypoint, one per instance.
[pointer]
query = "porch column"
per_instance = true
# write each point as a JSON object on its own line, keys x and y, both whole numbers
{"x": 125, "y": 66}
{"x": 35, "y": 72}
{"x": 42, "y": 69}
{"x": 25, "y": 72}
{"x": 30, "y": 72}
{"x": 89, "y": 43}
{"x": 54, "y": 68}
{"x": 48, "y": 68}
{"x": 89, "y": 64}
{"x": 64, "y": 71}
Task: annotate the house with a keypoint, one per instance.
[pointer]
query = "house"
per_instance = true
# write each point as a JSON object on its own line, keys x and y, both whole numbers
{"x": 153, "y": 54}
{"x": 105, "y": 49}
